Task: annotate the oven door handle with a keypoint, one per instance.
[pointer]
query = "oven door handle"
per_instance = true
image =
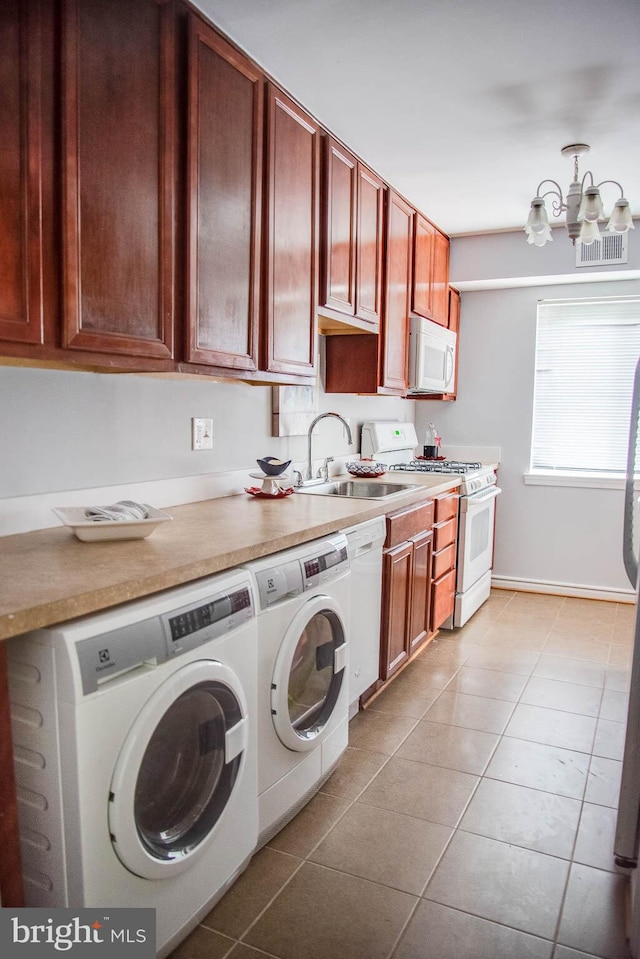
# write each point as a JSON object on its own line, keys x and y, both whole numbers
{"x": 477, "y": 499}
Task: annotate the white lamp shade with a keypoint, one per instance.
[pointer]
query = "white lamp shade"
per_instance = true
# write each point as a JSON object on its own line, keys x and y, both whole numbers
{"x": 591, "y": 206}
{"x": 620, "y": 220}
{"x": 589, "y": 232}
{"x": 538, "y": 221}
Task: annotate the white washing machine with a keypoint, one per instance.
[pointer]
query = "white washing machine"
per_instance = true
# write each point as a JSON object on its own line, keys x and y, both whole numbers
{"x": 135, "y": 752}
{"x": 303, "y": 703}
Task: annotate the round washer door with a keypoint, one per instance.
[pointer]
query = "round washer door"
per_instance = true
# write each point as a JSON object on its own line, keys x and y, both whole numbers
{"x": 177, "y": 770}
{"x": 309, "y": 673}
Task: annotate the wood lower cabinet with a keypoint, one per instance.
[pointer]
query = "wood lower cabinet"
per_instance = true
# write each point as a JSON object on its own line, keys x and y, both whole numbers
{"x": 291, "y": 238}
{"x": 119, "y": 155}
{"x": 225, "y": 151}
{"x": 406, "y": 586}
{"x": 443, "y": 572}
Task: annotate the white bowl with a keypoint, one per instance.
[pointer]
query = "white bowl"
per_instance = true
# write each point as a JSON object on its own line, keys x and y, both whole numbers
{"x": 92, "y": 531}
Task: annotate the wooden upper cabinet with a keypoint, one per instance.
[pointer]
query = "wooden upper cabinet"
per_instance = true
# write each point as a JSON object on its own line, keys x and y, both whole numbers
{"x": 22, "y": 177}
{"x": 340, "y": 200}
{"x": 119, "y": 176}
{"x": 291, "y": 238}
{"x": 352, "y": 237}
{"x": 430, "y": 289}
{"x": 225, "y": 149}
{"x": 395, "y": 327}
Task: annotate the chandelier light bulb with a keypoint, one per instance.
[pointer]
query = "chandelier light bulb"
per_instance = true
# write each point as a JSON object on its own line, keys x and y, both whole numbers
{"x": 591, "y": 206}
{"x": 589, "y": 232}
{"x": 620, "y": 220}
{"x": 538, "y": 221}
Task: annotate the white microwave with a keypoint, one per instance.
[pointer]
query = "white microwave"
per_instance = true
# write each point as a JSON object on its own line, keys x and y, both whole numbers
{"x": 432, "y": 354}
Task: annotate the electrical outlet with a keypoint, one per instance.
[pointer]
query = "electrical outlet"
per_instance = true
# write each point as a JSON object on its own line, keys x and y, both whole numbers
{"x": 201, "y": 433}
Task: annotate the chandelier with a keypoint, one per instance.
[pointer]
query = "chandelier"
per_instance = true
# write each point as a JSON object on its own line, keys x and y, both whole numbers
{"x": 583, "y": 206}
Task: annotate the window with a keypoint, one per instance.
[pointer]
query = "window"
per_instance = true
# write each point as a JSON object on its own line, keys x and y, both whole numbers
{"x": 586, "y": 354}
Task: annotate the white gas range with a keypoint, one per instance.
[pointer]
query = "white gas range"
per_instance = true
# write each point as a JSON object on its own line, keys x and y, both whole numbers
{"x": 395, "y": 444}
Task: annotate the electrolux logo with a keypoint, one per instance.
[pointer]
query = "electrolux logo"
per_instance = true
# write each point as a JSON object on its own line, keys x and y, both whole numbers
{"x": 115, "y": 932}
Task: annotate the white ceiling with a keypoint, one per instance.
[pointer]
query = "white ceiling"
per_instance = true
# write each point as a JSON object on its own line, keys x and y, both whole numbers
{"x": 462, "y": 105}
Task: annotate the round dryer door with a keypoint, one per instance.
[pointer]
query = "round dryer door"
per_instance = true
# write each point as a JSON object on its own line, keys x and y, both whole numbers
{"x": 309, "y": 673}
{"x": 177, "y": 769}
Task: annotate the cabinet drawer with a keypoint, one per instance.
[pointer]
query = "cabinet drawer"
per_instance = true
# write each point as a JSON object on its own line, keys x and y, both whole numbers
{"x": 444, "y": 534}
{"x": 443, "y": 596}
{"x": 405, "y": 523}
{"x": 445, "y": 507}
{"x": 444, "y": 560}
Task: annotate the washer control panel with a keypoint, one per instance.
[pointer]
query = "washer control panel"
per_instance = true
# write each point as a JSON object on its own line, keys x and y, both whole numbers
{"x": 324, "y": 562}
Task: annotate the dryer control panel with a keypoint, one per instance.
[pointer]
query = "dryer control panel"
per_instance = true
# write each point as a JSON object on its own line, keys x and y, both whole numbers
{"x": 324, "y": 562}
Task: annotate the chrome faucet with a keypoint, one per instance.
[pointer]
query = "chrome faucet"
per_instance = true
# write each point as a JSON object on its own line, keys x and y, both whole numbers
{"x": 309, "y": 474}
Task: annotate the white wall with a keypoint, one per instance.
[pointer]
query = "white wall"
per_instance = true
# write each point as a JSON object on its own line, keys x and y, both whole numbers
{"x": 549, "y": 535}
{"x": 69, "y": 430}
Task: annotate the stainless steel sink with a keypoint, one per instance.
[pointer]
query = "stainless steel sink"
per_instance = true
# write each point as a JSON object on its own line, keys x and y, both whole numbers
{"x": 358, "y": 489}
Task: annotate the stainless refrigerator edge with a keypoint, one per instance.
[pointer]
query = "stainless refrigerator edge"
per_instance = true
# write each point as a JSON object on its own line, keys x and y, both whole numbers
{"x": 627, "y": 837}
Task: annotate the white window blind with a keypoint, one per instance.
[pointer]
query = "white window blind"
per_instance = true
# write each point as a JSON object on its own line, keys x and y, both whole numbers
{"x": 586, "y": 354}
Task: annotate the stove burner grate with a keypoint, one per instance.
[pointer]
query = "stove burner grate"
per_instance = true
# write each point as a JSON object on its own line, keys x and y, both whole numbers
{"x": 444, "y": 466}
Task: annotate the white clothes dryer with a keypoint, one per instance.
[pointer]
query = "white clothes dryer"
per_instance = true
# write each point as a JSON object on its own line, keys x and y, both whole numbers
{"x": 303, "y": 629}
{"x": 135, "y": 752}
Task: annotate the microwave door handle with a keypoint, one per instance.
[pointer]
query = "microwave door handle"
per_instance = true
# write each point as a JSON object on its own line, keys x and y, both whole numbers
{"x": 448, "y": 366}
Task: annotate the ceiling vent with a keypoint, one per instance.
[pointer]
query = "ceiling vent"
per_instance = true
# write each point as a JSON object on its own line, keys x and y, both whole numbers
{"x": 609, "y": 249}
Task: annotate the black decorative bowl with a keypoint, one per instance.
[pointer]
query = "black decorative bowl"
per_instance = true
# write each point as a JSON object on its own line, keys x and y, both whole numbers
{"x": 273, "y": 466}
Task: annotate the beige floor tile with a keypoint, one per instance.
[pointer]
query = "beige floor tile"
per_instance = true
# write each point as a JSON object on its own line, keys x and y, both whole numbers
{"x": 614, "y": 706}
{"x": 379, "y": 732}
{"x": 446, "y": 650}
{"x": 568, "y": 697}
{"x": 240, "y": 951}
{"x": 525, "y": 817}
{"x": 538, "y": 601}
{"x": 603, "y": 783}
{"x": 618, "y": 677}
{"x": 426, "y": 792}
{"x": 355, "y": 770}
{"x": 471, "y": 712}
{"x": 593, "y": 917}
{"x": 517, "y": 661}
{"x": 609, "y": 741}
{"x": 529, "y": 617}
{"x": 552, "y": 727}
{"x": 476, "y": 627}
{"x": 423, "y": 674}
{"x": 620, "y": 655}
{"x": 323, "y": 913}
{"x": 569, "y": 670}
{"x": 563, "y": 952}
{"x": 266, "y": 874}
{"x": 596, "y": 836}
{"x": 576, "y": 646}
{"x": 406, "y": 699}
{"x": 438, "y": 932}
{"x": 311, "y": 824}
{"x": 531, "y": 637}
{"x": 559, "y": 771}
{"x": 467, "y": 750}
{"x": 203, "y": 944}
{"x": 626, "y": 614}
{"x": 487, "y": 682}
{"x": 359, "y": 845}
{"x": 500, "y": 882}
{"x": 589, "y": 610}
{"x": 623, "y": 635}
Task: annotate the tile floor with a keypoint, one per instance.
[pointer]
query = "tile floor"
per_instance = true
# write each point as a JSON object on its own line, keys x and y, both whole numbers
{"x": 472, "y": 815}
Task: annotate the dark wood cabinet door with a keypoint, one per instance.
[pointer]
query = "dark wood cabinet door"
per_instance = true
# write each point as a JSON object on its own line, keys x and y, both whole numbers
{"x": 420, "y": 589}
{"x": 340, "y": 194}
{"x": 291, "y": 238}
{"x": 22, "y": 176}
{"x": 397, "y": 572}
{"x": 421, "y": 299}
{"x": 440, "y": 279}
{"x": 119, "y": 176}
{"x": 225, "y": 147}
{"x": 395, "y": 327}
{"x": 369, "y": 241}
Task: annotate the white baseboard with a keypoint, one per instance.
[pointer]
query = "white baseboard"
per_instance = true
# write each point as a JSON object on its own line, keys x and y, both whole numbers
{"x": 612, "y": 595}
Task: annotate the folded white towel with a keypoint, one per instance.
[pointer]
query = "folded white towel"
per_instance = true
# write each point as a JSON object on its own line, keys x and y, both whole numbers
{"x": 124, "y": 510}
